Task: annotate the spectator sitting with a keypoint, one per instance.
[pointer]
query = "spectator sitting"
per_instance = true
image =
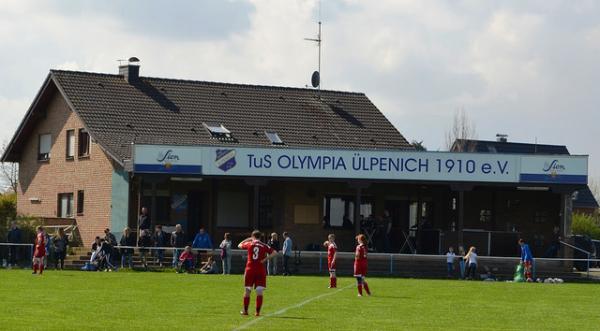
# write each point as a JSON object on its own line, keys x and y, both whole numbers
{"x": 202, "y": 240}
{"x": 209, "y": 267}
{"x": 186, "y": 261}
{"x": 95, "y": 249}
{"x": 144, "y": 242}
{"x": 128, "y": 239}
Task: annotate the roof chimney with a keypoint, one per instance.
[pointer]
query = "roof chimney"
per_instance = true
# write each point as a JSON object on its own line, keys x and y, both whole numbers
{"x": 502, "y": 138}
{"x": 131, "y": 70}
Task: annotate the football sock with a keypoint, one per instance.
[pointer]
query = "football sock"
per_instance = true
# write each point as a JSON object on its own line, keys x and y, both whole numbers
{"x": 360, "y": 289}
{"x": 35, "y": 267}
{"x": 334, "y": 282}
{"x": 367, "y": 288}
{"x": 246, "y": 303}
{"x": 259, "y": 301}
{"x": 41, "y": 268}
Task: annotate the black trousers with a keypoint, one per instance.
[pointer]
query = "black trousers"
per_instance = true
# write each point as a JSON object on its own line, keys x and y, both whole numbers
{"x": 286, "y": 269}
{"x": 13, "y": 254}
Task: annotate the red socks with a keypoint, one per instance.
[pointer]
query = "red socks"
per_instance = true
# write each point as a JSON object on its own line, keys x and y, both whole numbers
{"x": 332, "y": 282}
{"x": 360, "y": 289}
{"x": 41, "y": 268}
{"x": 247, "y": 303}
{"x": 259, "y": 302}
{"x": 35, "y": 268}
{"x": 367, "y": 288}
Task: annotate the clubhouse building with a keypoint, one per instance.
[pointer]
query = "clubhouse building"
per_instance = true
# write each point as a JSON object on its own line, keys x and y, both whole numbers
{"x": 94, "y": 148}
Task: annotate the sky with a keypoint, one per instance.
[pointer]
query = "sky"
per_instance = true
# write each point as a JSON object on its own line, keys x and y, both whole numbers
{"x": 528, "y": 69}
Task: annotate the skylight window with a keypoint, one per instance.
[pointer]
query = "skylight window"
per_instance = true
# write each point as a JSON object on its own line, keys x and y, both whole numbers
{"x": 218, "y": 131}
{"x": 274, "y": 138}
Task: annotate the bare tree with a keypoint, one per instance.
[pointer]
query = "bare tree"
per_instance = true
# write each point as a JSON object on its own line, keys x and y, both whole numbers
{"x": 462, "y": 130}
{"x": 9, "y": 171}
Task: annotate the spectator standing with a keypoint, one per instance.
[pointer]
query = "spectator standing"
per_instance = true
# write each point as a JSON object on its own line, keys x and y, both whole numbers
{"x": 526, "y": 260}
{"x": 287, "y": 253}
{"x": 178, "y": 242}
{"x": 552, "y": 251}
{"x": 14, "y": 237}
{"x": 160, "y": 240}
{"x": 387, "y": 231}
{"x": 144, "y": 242}
{"x": 202, "y": 240}
{"x": 272, "y": 263}
{"x": 450, "y": 256}
{"x": 471, "y": 259}
{"x": 128, "y": 239}
{"x": 60, "y": 242}
{"x": 226, "y": 253}
{"x": 110, "y": 238}
{"x": 461, "y": 261}
{"x": 49, "y": 248}
{"x": 144, "y": 220}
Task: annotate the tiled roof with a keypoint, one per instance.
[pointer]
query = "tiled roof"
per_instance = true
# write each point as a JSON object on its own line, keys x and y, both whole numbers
{"x": 585, "y": 199}
{"x": 170, "y": 111}
{"x": 485, "y": 146}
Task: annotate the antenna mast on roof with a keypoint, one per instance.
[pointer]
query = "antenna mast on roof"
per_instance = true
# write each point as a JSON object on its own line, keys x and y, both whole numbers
{"x": 316, "y": 76}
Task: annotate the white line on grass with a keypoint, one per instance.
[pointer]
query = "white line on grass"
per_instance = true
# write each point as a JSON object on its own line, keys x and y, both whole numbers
{"x": 284, "y": 310}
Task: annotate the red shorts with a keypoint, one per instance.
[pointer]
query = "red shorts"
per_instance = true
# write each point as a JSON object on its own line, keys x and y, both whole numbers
{"x": 360, "y": 269}
{"x": 254, "y": 278}
{"x": 39, "y": 252}
{"x": 331, "y": 266}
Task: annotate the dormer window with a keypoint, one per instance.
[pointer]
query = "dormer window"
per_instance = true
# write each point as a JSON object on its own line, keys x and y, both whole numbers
{"x": 218, "y": 131}
{"x": 274, "y": 138}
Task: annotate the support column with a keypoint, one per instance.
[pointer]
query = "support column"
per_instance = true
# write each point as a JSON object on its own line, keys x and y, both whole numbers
{"x": 357, "y": 201}
{"x": 419, "y": 222}
{"x": 255, "y": 205}
{"x": 153, "y": 205}
{"x": 461, "y": 217}
{"x": 566, "y": 214}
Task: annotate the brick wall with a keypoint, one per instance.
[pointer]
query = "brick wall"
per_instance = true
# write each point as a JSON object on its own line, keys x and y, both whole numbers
{"x": 44, "y": 180}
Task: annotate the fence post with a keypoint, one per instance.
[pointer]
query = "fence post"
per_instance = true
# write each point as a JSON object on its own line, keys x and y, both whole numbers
{"x": 588, "y": 266}
{"x": 31, "y": 256}
{"x": 391, "y": 264}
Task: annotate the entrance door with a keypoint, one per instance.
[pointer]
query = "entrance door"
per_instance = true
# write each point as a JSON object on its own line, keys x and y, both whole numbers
{"x": 195, "y": 215}
{"x": 400, "y": 214}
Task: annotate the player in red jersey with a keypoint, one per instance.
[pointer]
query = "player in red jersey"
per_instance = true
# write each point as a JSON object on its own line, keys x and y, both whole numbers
{"x": 256, "y": 273}
{"x": 39, "y": 251}
{"x": 331, "y": 259}
{"x": 360, "y": 264}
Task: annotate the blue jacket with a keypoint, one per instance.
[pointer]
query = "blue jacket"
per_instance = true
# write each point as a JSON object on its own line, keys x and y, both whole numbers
{"x": 287, "y": 247}
{"x": 202, "y": 241}
{"x": 526, "y": 253}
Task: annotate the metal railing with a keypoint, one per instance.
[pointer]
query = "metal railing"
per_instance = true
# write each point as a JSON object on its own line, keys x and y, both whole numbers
{"x": 589, "y": 254}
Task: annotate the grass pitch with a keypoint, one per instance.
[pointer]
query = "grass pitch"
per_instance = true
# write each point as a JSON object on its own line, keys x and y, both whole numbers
{"x": 74, "y": 300}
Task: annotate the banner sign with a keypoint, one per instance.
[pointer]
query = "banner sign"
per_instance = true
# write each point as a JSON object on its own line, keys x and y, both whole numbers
{"x": 372, "y": 164}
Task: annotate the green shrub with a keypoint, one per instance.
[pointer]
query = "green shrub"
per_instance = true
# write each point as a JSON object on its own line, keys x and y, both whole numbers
{"x": 8, "y": 212}
{"x": 586, "y": 225}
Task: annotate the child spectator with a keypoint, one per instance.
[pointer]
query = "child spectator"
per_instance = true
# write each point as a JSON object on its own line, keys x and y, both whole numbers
{"x": 272, "y": 263}
{"x": 209, "y": 267}
{"x": 450, "y": 256}
{"x": 128, "y": 239}
{"x": 226, "y": 253}
{"x": 186, "y": 261}
{"x": 60, "y": 243}
{"x": 471, "y": 259}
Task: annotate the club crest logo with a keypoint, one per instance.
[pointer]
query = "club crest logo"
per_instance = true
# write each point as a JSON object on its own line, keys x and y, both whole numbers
{"x": 225, "y": 159}
{"x": 554, "y": 168}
